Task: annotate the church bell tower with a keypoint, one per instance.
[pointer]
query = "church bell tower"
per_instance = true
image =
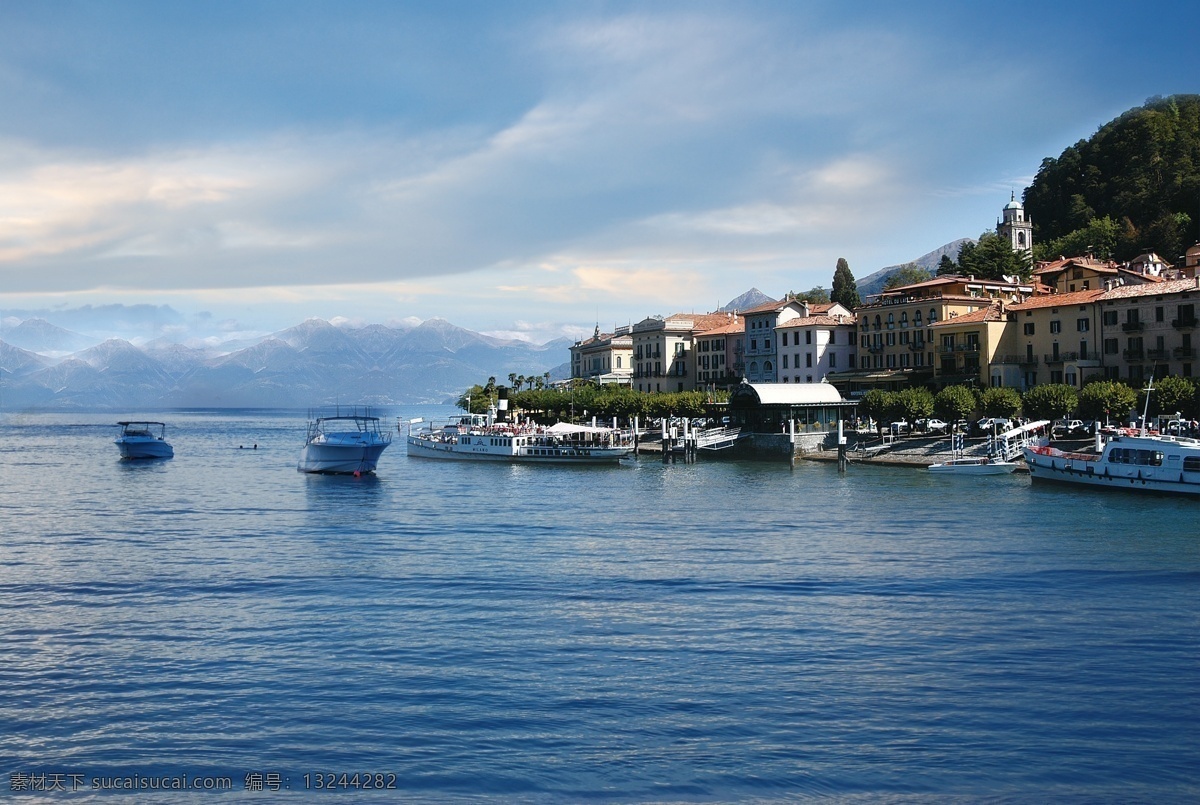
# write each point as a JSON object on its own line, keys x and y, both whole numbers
{"x": 1015, "y": 227}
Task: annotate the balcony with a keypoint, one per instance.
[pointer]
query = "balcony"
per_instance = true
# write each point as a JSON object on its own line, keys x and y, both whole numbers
{"x": 1186, "y": 353}
{"x": 1029, "y": 360}
{"x": 875, "y": 350}
{"x": 1134, "y": 354}
{"x": 1062, "y": 357}
{"x": 1158, "y": 354}
{"x": 1186, "y": 323}
{"x": 918, "y": 346}
{"x": 1133, "y": 327}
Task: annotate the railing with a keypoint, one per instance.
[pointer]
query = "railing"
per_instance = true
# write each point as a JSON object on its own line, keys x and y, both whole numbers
{"x": 1062, "y": 357}
{"x": 1184, "y": 352}
{"x": 918, "y": 346}
{"x": 875, "y": 350}
{"x": 1134, "y": 354}
{"x": 1158, "y": 354}
{"x": 1186, "y": 323}
{"x": 1029, "y": 360}
{"x": 1133, "y": 327}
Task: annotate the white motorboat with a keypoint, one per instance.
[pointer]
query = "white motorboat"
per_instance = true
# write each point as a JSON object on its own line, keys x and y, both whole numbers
{"x": 343, "y": 444}
{"x": 1135, "y": 460}
{"x": 475, "y": 437}
{"x": 144, "y": 440}
{"x": 974, "y": 466}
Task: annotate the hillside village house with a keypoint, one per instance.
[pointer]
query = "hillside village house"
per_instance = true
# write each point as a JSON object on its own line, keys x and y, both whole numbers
{"x": 605, "y": 357}
{"x": 1071, "y": 274}
{"x": 762, "y": 357}
{"x": 663, "y": 350}
{"x": 1052, "y": 338}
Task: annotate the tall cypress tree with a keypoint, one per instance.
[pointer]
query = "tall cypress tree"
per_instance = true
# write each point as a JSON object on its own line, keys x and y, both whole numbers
{"x": 845, "y": 289}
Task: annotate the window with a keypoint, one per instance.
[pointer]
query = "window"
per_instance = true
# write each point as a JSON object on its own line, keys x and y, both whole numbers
{"x": 808, "y": 360}
{"x": 1158, "y": 313}
{"x": 783, "y": 343}
{"x": 1028, "y": 328}
{"x": 766, "y": 343}
{"x": 808, "y": 336}
{"x": 1055, "y": 326}
{"x": 1083, "y": 325}
{"x": 784, "y": 365}
{"x": 832, "y": 360}
{"x": 1110, "y": 318}
{"x": 1071, "y": 379}
{"x": 1111, "y": 346}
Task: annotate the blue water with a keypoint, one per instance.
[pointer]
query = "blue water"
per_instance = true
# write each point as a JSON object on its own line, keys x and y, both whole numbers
{"x": 719, "y": 631}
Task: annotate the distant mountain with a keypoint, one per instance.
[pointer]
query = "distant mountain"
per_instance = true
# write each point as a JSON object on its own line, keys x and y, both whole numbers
{"x": 873, "y": 283}
{"x": 746, "y": 301}
{"x": 313, "y": 363}
{"x": 39, "y": 335}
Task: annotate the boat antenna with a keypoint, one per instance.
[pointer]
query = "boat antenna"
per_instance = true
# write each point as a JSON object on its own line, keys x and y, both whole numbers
{"x": 1146, "y": 408}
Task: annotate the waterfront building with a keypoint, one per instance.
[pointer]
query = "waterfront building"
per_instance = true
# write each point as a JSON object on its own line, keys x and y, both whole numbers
{"x": 717, "y": 352}
{"x": 663, "y": 350}
{"x": 760, "y": 357}
{"x": 764, "y": 410}
{"x": 1071, "y": 274}
{"x": 1051, "y": 338}
{"x": 965, "y": 345}
{"x": 810, "y": 347}
{"x": 605, "y": 357}
{"x": 1149, "y": 330}
{"x": 896, "y": 339}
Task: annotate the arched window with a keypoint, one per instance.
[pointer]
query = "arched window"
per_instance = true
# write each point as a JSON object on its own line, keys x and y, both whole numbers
{"x": 754, "y": 369}
{"x": 891, "y": 321}
{"x": 878, "y": 322}
{"x": 767, "y": 368}
{"x": 904, "y": 319}
{"x": 932, "y": 315}
{"x": 917, "y": 319}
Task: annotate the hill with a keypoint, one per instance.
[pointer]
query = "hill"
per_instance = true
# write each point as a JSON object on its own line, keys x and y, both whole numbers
{"x": 873, "y": 283}
{"x": 1134, "y": 186}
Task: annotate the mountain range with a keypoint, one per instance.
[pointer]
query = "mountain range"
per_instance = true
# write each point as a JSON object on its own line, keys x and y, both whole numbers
{"x": 313, "y": 363}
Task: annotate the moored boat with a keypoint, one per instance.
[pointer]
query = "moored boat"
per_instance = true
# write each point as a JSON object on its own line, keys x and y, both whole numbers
{"x": 343, "y": 444}
{"x": 144, "y": 440}
{"x": 974, "y": 466}
{"x": 1135, "y": 460}
{"x": 476, "y": 438}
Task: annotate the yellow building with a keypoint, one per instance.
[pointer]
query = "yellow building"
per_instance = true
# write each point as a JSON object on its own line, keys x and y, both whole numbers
{"x": 965, "y": 346}
{"x": 1053, "y": 338}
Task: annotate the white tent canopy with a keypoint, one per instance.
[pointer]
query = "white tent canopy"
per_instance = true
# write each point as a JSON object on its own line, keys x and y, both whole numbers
{"x": 567, "y": 429}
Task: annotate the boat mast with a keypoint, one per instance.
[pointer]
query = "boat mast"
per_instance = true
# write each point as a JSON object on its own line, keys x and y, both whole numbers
{"x": 1146, "y": 408}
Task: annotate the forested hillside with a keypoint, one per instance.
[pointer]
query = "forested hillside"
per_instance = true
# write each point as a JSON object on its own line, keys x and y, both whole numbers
{"x": 1134, "y": 186}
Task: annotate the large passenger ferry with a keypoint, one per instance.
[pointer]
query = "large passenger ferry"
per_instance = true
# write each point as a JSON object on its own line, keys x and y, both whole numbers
{"x": 1136, "y": 460}
{"x": 476, "y": 437}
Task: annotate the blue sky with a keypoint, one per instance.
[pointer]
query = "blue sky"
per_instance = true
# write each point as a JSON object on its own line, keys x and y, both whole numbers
{"x": 526, "y": 169}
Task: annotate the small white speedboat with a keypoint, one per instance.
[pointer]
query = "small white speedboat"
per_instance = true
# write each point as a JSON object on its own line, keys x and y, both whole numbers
{"x": 143, "y": 440}
{"x": 974, "y": 466}
{"x": 346, "y": 444}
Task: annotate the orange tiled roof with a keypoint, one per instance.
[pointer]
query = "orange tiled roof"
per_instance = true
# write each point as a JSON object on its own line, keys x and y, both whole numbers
{"x": 1058, "y": 299}
{"x": 818, "y": 321}
{"x": 993, "y": 313}
{"x": 1153, "y": 289}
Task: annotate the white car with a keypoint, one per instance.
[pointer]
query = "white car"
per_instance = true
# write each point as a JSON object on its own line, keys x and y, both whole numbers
{"x": 934, "y": 426}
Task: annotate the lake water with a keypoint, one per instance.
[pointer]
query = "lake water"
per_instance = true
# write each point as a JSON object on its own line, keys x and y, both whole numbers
{"x": 714, "y": 631}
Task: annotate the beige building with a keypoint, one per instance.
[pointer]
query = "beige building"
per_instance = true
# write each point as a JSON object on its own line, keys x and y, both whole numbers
{"x": 605, "y": 357}
{"x": 965, "y": 345}
{"x": 1053, "y": 338}
{"x": 717, "y": 351}
{"x": 1149, "y": 330}
{"x": 896, "y": 340}
{"x": 663, "y": 350}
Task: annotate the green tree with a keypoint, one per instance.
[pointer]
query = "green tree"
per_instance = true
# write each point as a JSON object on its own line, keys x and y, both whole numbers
{"x": 1051, "y": 401}
{"x": 876, "y": 404}
{"x": 474, "y": 400}
{"x": 1104, "y": 399}
{"x": 993, "y": 258}
{"x": 845, "y": 288}
{"x": 907, "y": 274}
{"x": 1000, "y": 401}
{"x": 1098, "y": 238}
{"x": 912, "y": 404}
{"x": 946, "y": 266}
{"x": 954, "y": 403}
{"x": 1171, "y": 395}
{"x": 814, "y": 296}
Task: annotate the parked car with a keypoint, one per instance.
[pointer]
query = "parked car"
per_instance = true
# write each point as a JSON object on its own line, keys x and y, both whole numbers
{"x": 932, "y": 425}
{"x": 899, "y": 427}
{"x": 1068, "y": 429}
{"x": 989, "y": 424}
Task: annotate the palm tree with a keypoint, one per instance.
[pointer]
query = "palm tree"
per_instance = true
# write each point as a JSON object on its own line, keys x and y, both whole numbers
{"x": 512, "y": 380}
{"x": 519, "y": 381}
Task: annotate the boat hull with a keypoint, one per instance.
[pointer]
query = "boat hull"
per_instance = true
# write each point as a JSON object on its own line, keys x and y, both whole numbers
{"x": 538, "y": 454}
{"x": 140, "y": 448}
{"x": 993, "y": 468}
{"x": 340, "y": 459}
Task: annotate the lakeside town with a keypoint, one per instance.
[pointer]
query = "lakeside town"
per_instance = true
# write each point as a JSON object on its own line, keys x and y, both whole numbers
{"x": 1075, "y": 322}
